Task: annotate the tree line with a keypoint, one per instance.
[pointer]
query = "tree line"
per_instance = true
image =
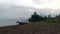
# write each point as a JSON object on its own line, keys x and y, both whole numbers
{"x": 35, "y": 17}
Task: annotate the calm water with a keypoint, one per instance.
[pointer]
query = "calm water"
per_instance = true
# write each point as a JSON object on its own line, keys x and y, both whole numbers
{"x": 7, "y": 22}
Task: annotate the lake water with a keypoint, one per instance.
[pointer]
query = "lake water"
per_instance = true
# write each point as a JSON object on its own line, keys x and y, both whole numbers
{"x": 7, "y": 22}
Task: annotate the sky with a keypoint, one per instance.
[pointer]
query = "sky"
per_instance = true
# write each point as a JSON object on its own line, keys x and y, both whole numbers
{"x": 14, "y": 8}
{"x": 55, "y": 4}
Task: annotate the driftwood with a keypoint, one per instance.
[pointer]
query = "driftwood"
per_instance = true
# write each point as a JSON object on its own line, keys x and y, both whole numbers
{"x": 22, "y": 23}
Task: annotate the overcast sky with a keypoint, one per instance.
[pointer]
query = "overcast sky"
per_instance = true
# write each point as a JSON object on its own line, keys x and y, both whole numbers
{"x": 55, "y": 4}
{"x": 8, "y": 8}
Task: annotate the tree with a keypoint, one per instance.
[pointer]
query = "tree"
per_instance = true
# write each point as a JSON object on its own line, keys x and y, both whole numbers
{"x": 35, "y": 17}
{"x": 49, "y": 16}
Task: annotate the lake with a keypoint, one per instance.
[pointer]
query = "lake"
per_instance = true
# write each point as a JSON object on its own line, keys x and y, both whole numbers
{"x": 7, "y": 22}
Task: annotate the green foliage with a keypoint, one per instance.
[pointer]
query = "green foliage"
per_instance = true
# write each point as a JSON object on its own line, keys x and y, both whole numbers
{"x": 57, "y": 19}
{"x": 35, "y": 17}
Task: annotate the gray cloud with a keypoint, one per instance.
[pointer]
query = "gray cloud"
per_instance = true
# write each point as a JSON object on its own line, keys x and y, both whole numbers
{"x": 42, "y": 1}
{"x": 22, "y": 11}
{"x": 36, "y": 1}
{"x": 39, "y": 1}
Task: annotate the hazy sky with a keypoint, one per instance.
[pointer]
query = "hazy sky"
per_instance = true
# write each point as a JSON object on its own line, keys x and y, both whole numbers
{"x": 8, "y": 8}
{"x": 55, "y": 4}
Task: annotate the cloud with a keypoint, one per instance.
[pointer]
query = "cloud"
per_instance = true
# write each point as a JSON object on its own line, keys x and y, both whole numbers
{"x": 52, "y": 4}
{"x": 15, "y": 8}
{"x": 14, "y": 11}
{"x": 7, "y": 1}
{"x": 39, "y": 1}
{"x": 28, "y": 3}
{"x": 22, "y": 11}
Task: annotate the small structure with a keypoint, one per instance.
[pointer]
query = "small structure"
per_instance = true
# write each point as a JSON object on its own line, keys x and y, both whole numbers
{"x": 23, "y": 22}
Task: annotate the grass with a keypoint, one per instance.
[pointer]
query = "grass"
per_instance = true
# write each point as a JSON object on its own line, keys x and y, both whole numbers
{"x": 42, "y": 27}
